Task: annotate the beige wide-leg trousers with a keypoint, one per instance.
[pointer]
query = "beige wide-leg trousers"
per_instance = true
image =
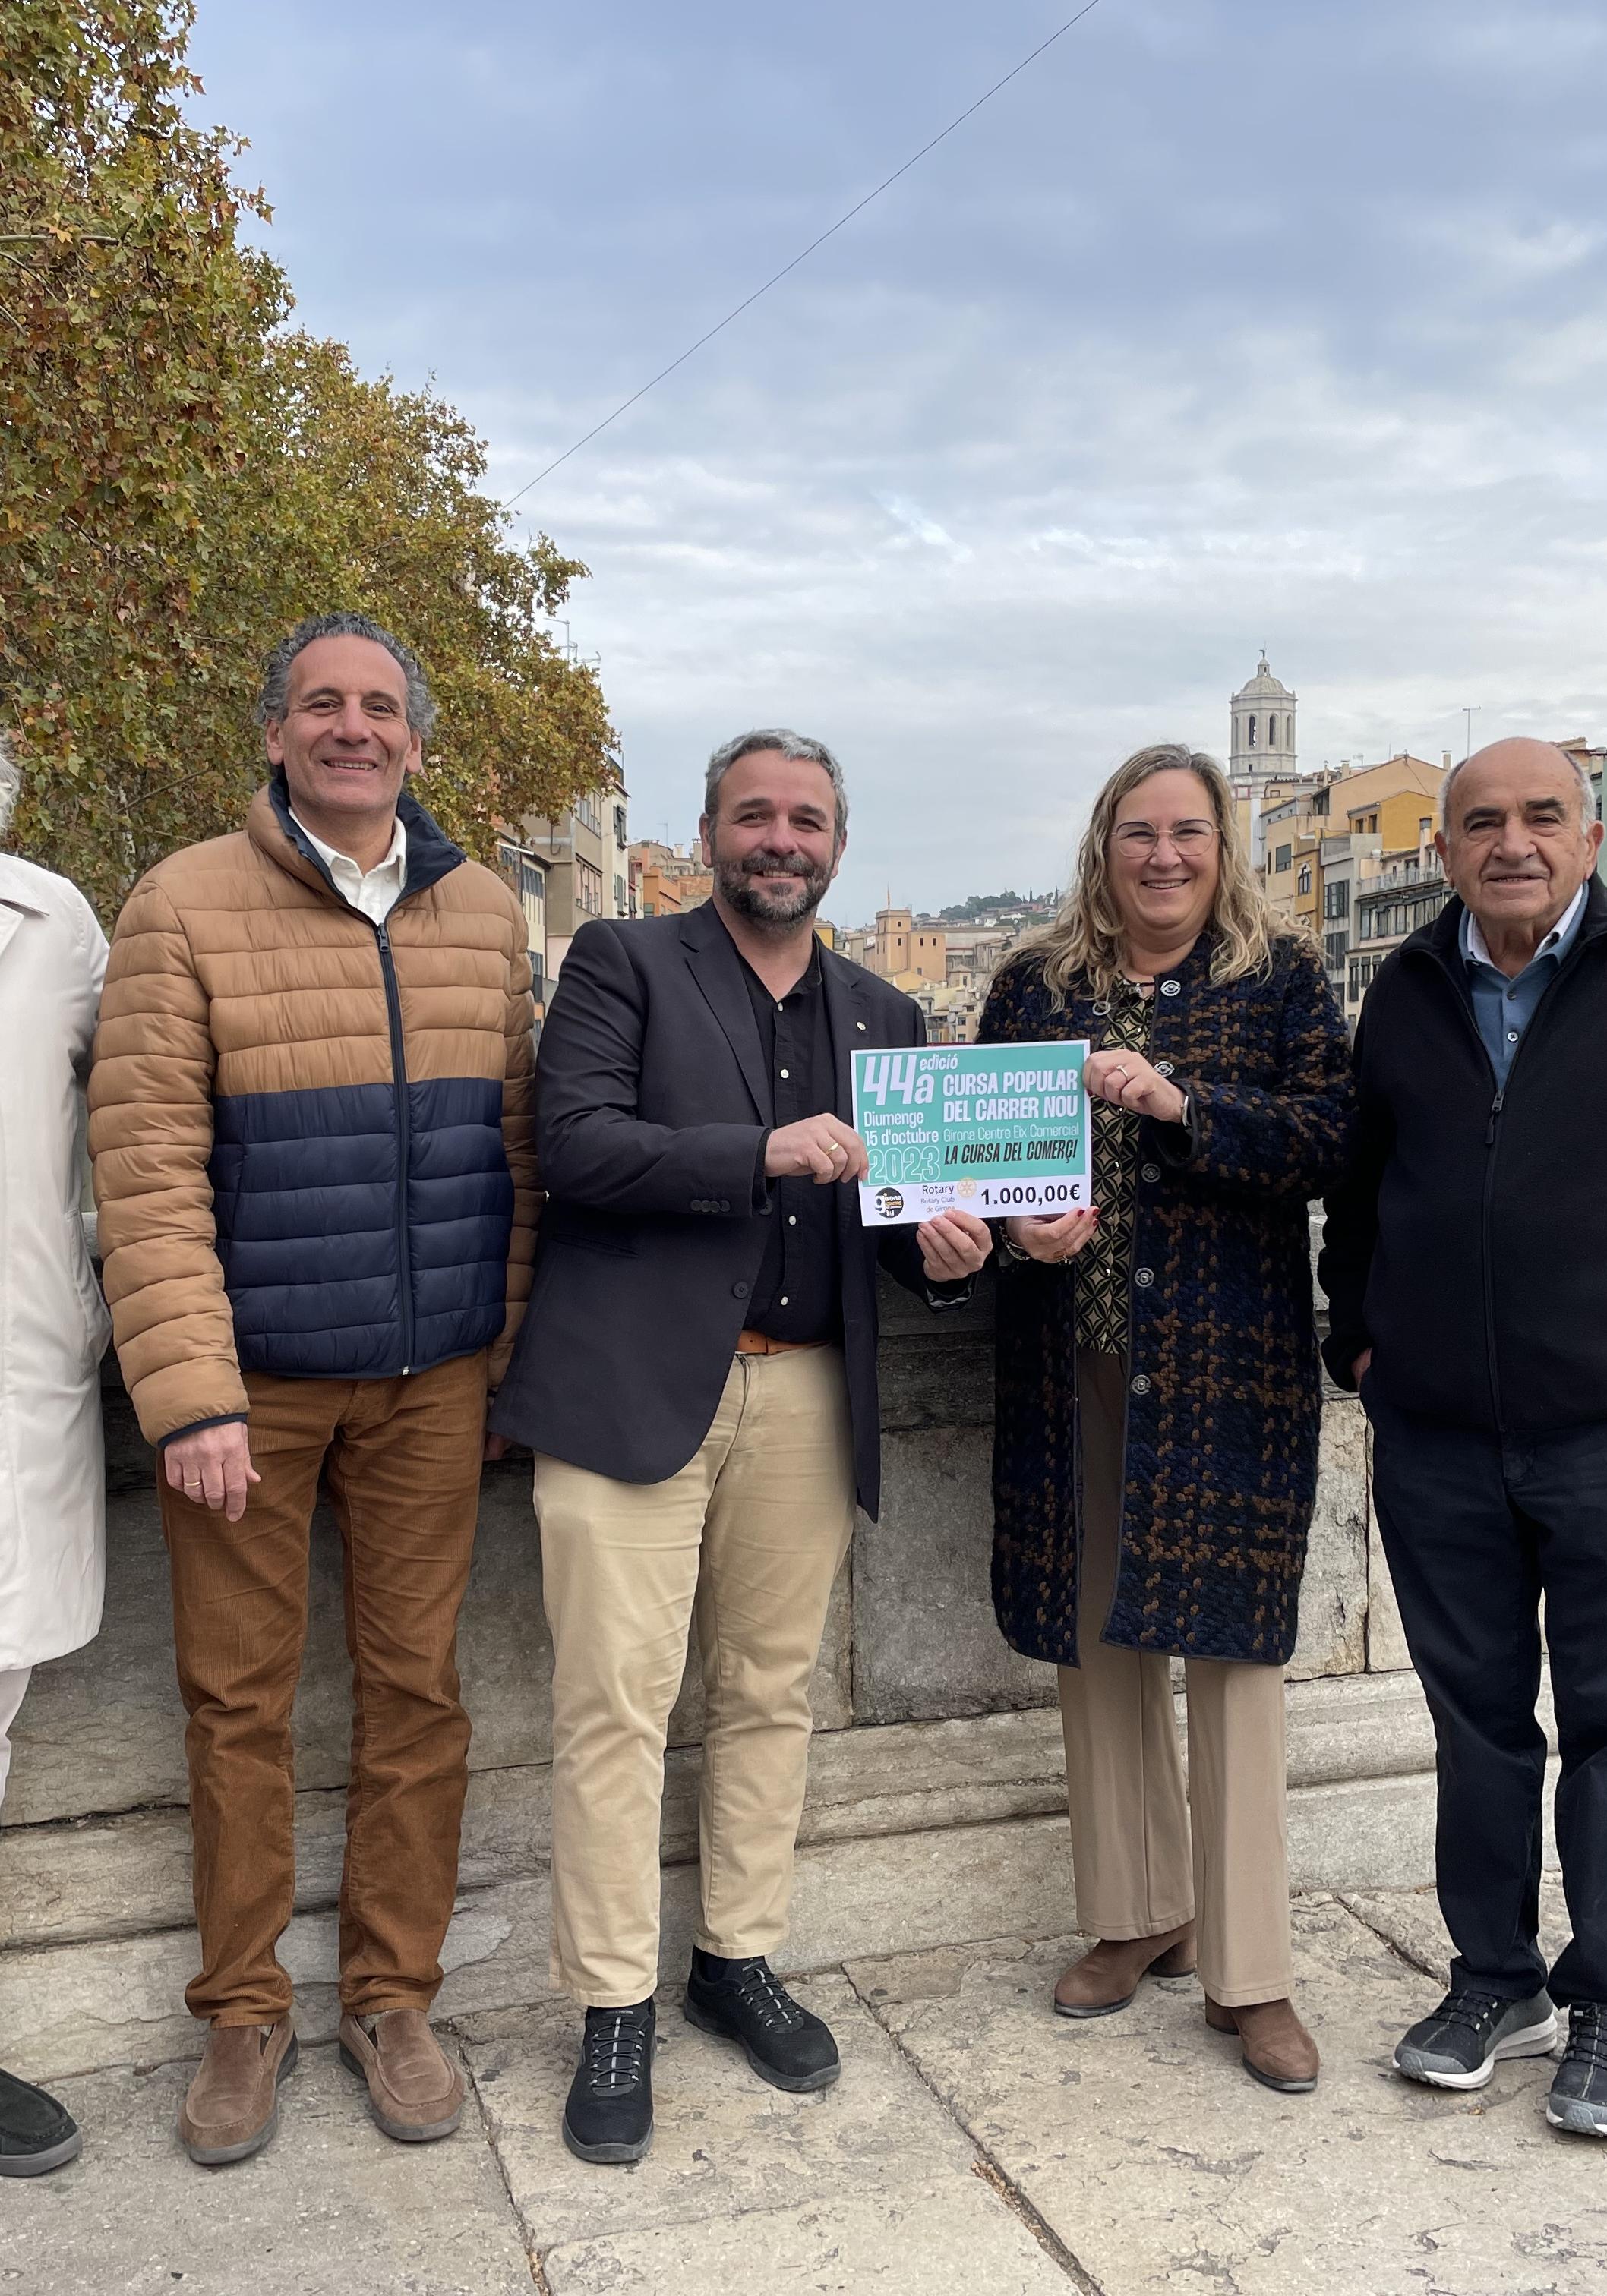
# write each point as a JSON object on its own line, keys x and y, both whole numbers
{"x": 749, "y": 1535}
{"x": 1137, "y": 1875}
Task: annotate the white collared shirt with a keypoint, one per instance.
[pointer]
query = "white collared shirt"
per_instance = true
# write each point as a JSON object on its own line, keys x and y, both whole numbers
{"x": 375, "y": 892}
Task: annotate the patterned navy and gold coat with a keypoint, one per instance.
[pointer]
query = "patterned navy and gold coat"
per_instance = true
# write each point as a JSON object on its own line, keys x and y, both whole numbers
{"x": 1224, "y": 1394}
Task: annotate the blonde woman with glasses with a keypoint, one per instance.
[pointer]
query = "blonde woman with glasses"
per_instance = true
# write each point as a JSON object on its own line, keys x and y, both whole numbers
{"x": 1155, "y": 1460}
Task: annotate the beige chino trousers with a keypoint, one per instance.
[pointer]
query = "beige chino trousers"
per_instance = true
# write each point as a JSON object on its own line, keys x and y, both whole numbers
{"x": 1138, "y": 1873}
{"x": 748, "y": 1537}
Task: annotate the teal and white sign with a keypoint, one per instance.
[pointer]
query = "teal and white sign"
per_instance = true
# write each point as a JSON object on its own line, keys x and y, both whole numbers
{"x": 992, "y": 1128}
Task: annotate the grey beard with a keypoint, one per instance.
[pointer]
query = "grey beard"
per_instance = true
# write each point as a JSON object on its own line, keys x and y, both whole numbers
{"x": 740, "y": 889}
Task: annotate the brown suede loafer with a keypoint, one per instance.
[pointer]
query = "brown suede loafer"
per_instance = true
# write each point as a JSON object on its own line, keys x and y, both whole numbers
{"x": 1108, "y": 1975}
{"x": 1278, "y": 2051}
{"x": 233, "y": 2105}
{"x": 416, "y": 2095}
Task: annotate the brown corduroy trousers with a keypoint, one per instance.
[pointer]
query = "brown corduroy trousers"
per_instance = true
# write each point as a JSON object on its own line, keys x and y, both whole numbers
{"x": 400, "y": 1459}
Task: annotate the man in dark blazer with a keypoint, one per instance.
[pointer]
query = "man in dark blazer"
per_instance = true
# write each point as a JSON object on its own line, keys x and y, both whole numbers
{"x": 1466, "y": 1267}
{"x": 697, "y": 1377}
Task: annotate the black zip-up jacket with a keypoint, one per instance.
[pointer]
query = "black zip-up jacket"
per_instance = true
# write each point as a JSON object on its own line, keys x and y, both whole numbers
{"x": 1467, "y": 1246}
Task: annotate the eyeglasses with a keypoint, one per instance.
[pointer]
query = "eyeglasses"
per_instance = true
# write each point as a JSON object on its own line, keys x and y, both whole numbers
{"x": 1138, "y": 839}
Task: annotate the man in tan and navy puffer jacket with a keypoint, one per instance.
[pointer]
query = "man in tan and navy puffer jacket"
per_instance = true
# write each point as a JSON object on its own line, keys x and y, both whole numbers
{"x": 311, "y": 1122}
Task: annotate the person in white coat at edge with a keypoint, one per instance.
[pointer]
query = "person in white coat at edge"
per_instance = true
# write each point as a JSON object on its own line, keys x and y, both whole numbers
{"x": 53, "y": 1331}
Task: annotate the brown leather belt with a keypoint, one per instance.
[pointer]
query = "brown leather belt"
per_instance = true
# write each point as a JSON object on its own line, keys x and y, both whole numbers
{"x": 760, "y": 1343}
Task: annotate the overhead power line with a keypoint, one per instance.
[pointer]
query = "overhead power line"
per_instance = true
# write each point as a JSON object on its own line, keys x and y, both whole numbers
{"x": 804, "y": 253}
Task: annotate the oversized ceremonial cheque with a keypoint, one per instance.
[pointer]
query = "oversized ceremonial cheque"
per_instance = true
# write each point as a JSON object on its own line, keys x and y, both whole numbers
{"x": 993, "y": 1129}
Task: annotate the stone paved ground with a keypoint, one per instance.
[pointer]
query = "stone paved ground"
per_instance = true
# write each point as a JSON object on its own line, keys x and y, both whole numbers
{"x": 974, "y": 2143}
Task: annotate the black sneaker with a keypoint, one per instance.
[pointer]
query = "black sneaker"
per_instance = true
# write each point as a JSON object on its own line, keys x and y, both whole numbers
{"x": 609, "y": 2113}
{"x": 36, "y": 2134}
{"x": 745, "y": 2001}
{"x": 1458, "y": 2047}
{"x": 1578, "y": 2095}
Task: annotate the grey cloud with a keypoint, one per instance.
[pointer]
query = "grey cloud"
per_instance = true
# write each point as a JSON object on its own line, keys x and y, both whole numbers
{"x": 1228, "y": 324}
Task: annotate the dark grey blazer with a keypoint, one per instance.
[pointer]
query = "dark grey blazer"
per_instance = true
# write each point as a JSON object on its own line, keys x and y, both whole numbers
{"x": 651, "y": 1097}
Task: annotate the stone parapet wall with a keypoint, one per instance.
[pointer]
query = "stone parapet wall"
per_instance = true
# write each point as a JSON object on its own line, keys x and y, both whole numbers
{"x": 937, "y": 1779}
{"x": 910, "y": 1637}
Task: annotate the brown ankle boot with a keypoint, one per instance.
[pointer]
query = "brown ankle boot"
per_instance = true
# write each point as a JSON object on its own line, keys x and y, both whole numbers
{"x": 1278, "y": 2051}
{"x": 1107, "y": 1977}
{"x": 232, "y": 2106}
{"x": 415, "y": 2094}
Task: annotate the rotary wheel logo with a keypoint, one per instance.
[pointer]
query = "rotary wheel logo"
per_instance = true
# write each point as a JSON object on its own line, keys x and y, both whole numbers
{"x": 965, "y": 1188}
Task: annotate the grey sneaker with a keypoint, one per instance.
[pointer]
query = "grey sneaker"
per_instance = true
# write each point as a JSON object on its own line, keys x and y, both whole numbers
{"x": 1578, "y": 2095}
{"x": 1458, "y": 2046}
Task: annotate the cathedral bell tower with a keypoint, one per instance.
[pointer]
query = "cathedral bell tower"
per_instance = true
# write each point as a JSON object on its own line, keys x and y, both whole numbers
{"x": 1263, "y": 729}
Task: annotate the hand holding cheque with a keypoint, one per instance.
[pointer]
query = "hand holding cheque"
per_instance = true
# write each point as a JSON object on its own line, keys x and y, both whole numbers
{"x": 1054, "y": 1239}
{"x": 1127, "y": 1080}
{"x": 818, "y": 1148}
{"x": 823, "y": 1149}
{"x": 954, "y": 1244}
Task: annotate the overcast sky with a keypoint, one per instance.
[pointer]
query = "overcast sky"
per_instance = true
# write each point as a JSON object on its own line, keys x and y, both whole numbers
{"x": 1230, "y": 323}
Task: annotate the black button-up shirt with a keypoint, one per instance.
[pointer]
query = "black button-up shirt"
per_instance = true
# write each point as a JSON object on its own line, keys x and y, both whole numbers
{"x": 798, "y": 1294}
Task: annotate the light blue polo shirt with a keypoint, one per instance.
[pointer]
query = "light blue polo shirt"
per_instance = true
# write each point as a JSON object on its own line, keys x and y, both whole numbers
{"x": 1503, "y": 1008}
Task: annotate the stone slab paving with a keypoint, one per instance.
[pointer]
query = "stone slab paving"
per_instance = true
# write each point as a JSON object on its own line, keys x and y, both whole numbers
{"x": 1409, "y": 1920}
{"x": 916, "y": 2241}
{"x": 975, "y": 2143}
{"x": 1140, "y": 2144}
{"x": 869, "y": 2185}
{"x": 332, "y": 2208}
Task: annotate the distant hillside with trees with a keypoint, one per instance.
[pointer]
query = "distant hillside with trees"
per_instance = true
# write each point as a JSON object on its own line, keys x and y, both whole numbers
{"x": 988, "y": 909}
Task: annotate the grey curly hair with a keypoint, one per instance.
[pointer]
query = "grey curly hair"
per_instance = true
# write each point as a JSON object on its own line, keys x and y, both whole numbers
{"x": 277, "y": 669}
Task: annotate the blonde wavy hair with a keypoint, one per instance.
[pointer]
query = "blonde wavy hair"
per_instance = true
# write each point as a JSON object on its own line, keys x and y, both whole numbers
{"x": 1084, "y": 942}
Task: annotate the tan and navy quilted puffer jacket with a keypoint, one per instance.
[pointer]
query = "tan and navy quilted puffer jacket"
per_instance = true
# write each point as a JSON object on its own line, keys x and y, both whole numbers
{"x": 312, "y": 1135}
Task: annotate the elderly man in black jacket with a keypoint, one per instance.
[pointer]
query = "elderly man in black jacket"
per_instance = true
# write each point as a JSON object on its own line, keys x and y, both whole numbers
{"x": 1466, "y": 1269}
{"x": 698, "y": 1381}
